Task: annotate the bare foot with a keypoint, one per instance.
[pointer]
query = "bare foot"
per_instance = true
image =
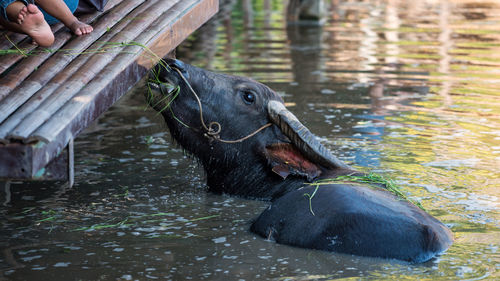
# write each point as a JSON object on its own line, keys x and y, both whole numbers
{"x": 31, "y": 20}
{"x": 80, "y": 28}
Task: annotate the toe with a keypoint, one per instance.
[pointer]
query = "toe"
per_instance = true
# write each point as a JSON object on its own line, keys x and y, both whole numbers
{"x": 21, "y": 15}
{"x": 33, "y": 9}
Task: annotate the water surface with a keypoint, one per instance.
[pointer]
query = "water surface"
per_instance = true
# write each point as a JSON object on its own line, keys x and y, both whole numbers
{"x": 408, "y": 89}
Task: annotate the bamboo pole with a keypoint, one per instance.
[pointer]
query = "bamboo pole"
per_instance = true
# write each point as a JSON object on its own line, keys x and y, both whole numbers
{"x": 27, "y": 47}
{"x": 27, "y": 66}
{"x": 72, "y": 118}
{"x": 13, "y": 37}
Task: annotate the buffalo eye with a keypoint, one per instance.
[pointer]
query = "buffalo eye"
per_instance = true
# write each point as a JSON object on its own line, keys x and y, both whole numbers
{"x": 248, "y": 97}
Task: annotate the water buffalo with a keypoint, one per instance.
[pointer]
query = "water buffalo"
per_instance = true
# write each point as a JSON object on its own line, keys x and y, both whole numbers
{"x": 282, "y": 161}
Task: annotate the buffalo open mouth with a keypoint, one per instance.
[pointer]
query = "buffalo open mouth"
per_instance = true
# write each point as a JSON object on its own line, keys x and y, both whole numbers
{"x": 163, "y": 86}
{"x": 160, "y": 95}
{"x": 165, "y": 77}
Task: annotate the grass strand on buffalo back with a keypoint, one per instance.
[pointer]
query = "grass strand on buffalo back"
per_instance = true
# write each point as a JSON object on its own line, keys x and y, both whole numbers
{"x": 372, "y": 179}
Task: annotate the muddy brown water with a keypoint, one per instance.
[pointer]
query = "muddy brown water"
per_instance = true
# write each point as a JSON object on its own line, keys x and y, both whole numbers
{"x": 408, "y": 89}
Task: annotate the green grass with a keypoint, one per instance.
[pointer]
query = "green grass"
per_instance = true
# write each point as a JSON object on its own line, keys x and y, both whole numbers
{"x": 134, "y": 221}
{"x": 109, "y": 47}
{"x": 371, "y": 179}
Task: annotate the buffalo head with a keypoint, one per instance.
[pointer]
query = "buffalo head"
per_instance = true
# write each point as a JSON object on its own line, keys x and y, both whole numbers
{"x": 209, "y": 114}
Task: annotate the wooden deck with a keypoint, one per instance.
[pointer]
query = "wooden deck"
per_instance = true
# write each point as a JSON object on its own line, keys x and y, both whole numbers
{"x": 48, "y": 96}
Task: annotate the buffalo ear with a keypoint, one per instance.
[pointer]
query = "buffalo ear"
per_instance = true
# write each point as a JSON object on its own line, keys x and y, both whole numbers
{"x": 285, "y": 159}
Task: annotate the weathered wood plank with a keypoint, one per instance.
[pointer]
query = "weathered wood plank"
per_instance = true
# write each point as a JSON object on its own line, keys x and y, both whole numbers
{"x": 56, "y": 169}
{"x": 26, "y": 118}
{"x": 25, "y": 68}
{"x": 16, "y": 161}
{"x": 26, "y": 45}
{"x": 13, "y": 37}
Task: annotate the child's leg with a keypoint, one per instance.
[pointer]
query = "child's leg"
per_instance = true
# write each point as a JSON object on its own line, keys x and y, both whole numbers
{"x": 59, "y": 10}
{"x": 72, "y": 5}
{"x": 29, "y": 20}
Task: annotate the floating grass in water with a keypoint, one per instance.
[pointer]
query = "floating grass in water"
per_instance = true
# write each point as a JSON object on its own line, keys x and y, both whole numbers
{"x": 370, "y": 179}
{"x": 102, "y": 226}
{"x": 149, "y": 140}
{"x": 134, "y": 221}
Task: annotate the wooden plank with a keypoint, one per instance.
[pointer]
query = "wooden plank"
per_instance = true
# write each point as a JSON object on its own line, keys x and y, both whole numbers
{"x": 26, "y": 118}
{"x": 17, "y": 38}
{"x": 13, "y": 37}
{"x": 15, "y": 161}
{"x": 41, "y": 76}
{"x": 26, "y": 46}
{"x": 89, "y": 70}
{"x": 7, "y": 38}
{"x": 56, "y": 169}
{"x": 25, "y": 68}
{"x": 162, "y": 43}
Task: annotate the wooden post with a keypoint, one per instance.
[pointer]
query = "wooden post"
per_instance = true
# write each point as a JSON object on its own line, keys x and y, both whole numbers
{"x": 71, "y": 163}
{"x": 311, "y": 10}
{"x": 7, "y": 193}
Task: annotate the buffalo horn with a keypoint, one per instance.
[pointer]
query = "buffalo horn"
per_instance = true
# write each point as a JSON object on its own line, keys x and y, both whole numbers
{"x": 301, "y": 137}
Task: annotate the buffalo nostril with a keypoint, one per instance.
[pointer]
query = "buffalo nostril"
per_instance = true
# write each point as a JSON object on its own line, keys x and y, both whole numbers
{"x": 174, "y": 63}
{"x": 178, "y": 65}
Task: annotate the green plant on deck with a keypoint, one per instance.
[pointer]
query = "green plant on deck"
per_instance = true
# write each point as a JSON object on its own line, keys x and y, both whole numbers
{"x": 16, "y": 51}
{"x": 108, "y": 47}
{"x": 371, "y": 179}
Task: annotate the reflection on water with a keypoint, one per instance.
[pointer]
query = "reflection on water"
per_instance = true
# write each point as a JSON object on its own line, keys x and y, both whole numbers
{"x": 409, "y": 89}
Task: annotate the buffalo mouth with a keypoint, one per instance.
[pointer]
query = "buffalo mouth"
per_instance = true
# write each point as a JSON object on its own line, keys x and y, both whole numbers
{"x": 161, "y": 95}
{"x": 163, "y": 86}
